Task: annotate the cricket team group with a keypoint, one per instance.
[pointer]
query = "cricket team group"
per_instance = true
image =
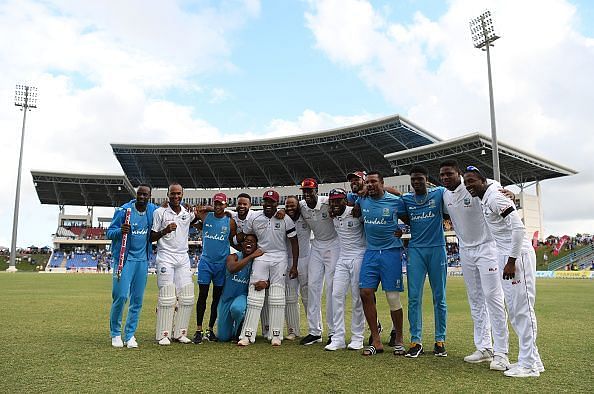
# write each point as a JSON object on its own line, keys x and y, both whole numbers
{"x": 348, "y": 241}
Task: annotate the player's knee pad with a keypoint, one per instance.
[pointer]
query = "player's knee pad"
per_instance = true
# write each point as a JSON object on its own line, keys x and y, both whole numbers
{"x": 186, "y": 295}
{"x": 394, "y": 302}
{"x": 166, "y": 298}
{"x": 291, "y": 295}
{"x": 255, "y": 297}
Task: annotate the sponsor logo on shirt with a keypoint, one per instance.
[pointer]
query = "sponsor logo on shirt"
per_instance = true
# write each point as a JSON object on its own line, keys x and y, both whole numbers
{"x": 493, "y": 269}
{"x": 236, "y": 278}
{"x": 515, "y": 282}
{"x": 375, "y": 221}
{"x": 216, "y": 237}
{"x": 143, "y": 231}
{"x": 424, "y": 215}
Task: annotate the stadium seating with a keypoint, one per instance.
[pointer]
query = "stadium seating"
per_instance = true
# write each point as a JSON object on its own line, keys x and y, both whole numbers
{"x": 577, "y": 257}
{"x": 81, "y": 260}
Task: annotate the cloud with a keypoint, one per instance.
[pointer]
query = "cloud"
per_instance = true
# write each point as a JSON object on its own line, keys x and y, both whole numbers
{"x": 102, "y": 70}
{"x": 310, "y": 121}
{"x": 429, "y": 70}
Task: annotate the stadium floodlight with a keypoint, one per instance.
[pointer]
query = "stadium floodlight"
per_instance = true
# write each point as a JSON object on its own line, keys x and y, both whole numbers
{"x": 483, "y": 36}
{"x": 26, "y": 98}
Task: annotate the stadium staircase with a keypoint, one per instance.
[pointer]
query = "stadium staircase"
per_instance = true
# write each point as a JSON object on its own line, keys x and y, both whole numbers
{"x": 577, "y": 257}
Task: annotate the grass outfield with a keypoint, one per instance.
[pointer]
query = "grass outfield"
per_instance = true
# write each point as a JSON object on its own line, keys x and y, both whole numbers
{"x": 57, "y": 339}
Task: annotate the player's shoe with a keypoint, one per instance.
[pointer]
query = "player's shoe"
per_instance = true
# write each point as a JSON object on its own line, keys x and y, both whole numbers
{"x": 332, "y": 346}
{"x": 183, "y": 339}
{"x": 500, "y": 362}
{"x": 392, "y": 342}
{"x": 415, "y": 350}
{"x": 379, "y": 331}
{"x": 198, "y": 337}
{"x": 329, "y": 341}
{"x": 117, "y": 341}
{"x": 164, "y": 341}
{"x": 310, "y": 340}
{"x": 210, "y": 336}
{"x": 522, "y": 372}
{"x": 439, "y": 349}
{"x": 355, "y": 345}
{"x": 244, "y": 342}
{"x": 480, "y": 356}
{"x": 131, "y": 343}
{"x": 537, "y": 366}
{"x": 275, "y": 341}
{"x": 291, "y": 336}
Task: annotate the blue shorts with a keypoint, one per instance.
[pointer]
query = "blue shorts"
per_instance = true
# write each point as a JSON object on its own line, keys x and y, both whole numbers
{"x": 383, "y": 266}
{"x": 208, "y": 272}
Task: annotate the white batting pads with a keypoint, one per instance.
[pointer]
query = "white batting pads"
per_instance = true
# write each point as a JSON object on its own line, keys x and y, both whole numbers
{"x": 264, "y": 318}
{"x": 292, "y": 310}
{"x": 255, "y": 300}
{"x": 165, "y": 309}
{"x": 276, "y": 302}
{"x": 185, "y": 304}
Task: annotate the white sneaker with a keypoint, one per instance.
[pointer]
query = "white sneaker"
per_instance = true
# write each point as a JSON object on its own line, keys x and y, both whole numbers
{"x": 184, "y": 339}
{"x": 117, "y": 341}
{"x": 276, "y": 341}
{"x": 500, "y": 363}
{"x": 164, "y": 341}
{"x": 480, "y": 356}
{"x": 521, "y": 372}
{"x": 131, "y": 343}
{"x": 243, "y": 342}
{"x": 537, "y": 366}
{"x": 332, "y": 346}
{"x": 355, "y": 345}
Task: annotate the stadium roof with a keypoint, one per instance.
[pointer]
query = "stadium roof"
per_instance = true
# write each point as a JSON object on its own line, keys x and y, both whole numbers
{"x": 325, "y": 155}
{"x": 92, "y": 190}
{"x": 517, "y": 166}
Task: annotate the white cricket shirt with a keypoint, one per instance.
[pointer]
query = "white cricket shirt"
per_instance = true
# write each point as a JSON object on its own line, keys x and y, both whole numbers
{"x": 319, "y": 221}
{"x": 494, "y": 205}
{"x": 272, "y": 233}
{"x": 176, "y": 241}
{"x": 466, "y": 214}
{"x": 241, "y": 222}
{"x": 303, "y": 237}
{"x": 350, "y": 234}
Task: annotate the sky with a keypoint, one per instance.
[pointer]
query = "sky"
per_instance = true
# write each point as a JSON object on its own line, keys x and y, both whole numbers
{"x": 208, "y": 71}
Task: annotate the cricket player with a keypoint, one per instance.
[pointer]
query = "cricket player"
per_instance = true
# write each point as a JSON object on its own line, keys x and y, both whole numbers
{"x": 480, "y": 267}
{"x": 322, "y": 259}
{"x": 346, "y": 275}
{"x": 296, "y": 286}
{"x": 271, "y": 233}
{"x": 170, "y": 228}
{"x": 132, "y": 280}
{"x": 517, "y": 260}
{"x": 382, "y": 259}
{"x": 231, "y": 308}
{"x": 424, "y": 211}
{"x": 218, "y": 232}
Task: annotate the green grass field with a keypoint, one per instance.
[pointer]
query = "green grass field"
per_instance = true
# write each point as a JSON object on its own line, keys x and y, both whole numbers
{"x": 57, "y": 339}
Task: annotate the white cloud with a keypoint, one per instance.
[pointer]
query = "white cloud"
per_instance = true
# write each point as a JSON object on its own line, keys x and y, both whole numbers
{"x": 431, "y": 72}
{"x": 310, "y": 121}
{"x": 101, "y": 69}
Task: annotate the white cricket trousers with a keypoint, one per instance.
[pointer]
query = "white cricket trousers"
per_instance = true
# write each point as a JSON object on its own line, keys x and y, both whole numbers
{"x": 520, "y": 294}
{"x": 482, "y": 276}
{"x": 322, "y": 262}
{"x": 346, "y": 277}
{"x": 173, "y": 268}
{"x": 271, "y": 266}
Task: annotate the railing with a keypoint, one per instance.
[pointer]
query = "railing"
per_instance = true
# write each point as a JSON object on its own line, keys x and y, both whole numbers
{"x": 573, "y": 258}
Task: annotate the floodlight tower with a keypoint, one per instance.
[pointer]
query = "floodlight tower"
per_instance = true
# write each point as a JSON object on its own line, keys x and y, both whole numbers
{"x": 26, "y": 98}
{"x": 483, "y": 36}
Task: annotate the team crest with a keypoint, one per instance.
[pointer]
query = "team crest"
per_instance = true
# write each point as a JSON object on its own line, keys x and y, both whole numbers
{"x": 223, "y": 228}
{"x": 324, "y": 215}
{"x": 467, "y": 201}
{"x": 350, "y": 224}
{"x": 431, "y": 203}
{"x": 386, "y": 212}
{"x": 183, "y": 217}
{"x": 163, "y": 270}
{"x": 276, "y": 225}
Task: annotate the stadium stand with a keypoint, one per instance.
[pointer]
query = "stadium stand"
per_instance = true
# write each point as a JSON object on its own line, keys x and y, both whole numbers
{"x": 577, "y": 258}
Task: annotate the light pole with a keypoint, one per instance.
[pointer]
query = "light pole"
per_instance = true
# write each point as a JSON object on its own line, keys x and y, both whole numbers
{"x": 26, "y": 98}
{"x": 483, "y": 36}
